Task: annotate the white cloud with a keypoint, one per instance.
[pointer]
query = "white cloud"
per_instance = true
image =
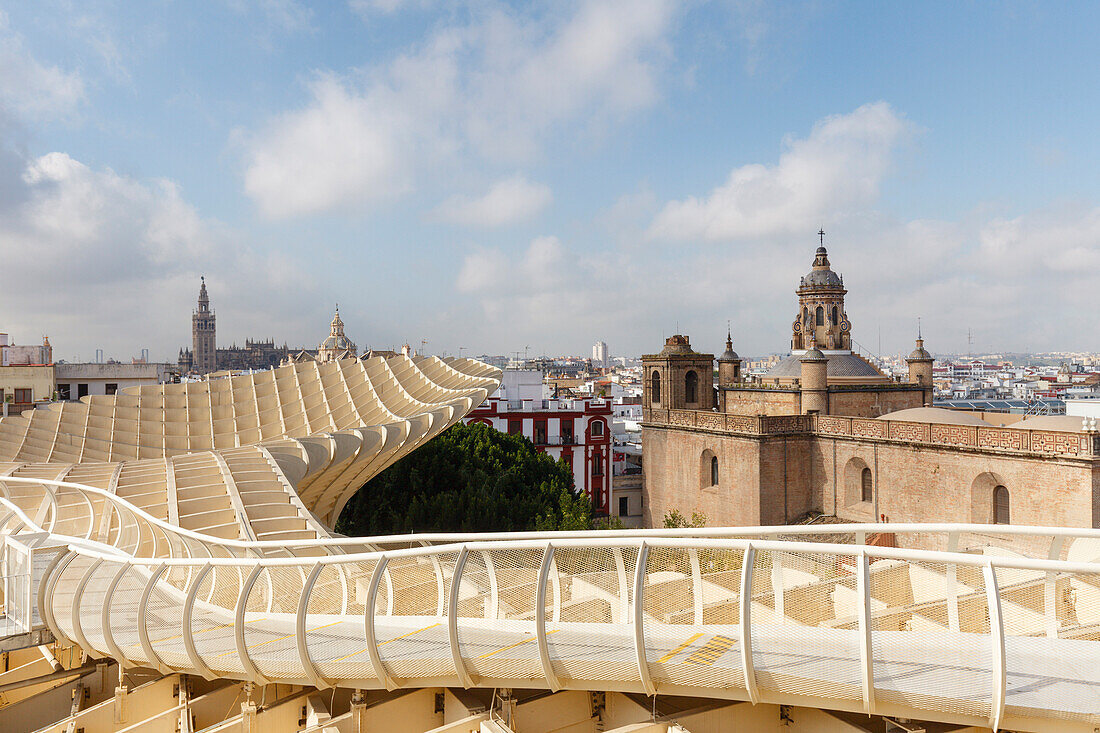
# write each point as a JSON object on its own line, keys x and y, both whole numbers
{"x": 493, "y": 89}
{"x": 836, "y": 170}
{"x": 508, "y": 201}
{"x": 1020, "y": 280}
{"x": 32, "y": 89}
{"x": 120, "y": 260}
{"x": 340, "y": 151}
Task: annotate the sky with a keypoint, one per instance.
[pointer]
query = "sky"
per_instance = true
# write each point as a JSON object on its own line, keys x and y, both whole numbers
{"x": 480, "y": 177}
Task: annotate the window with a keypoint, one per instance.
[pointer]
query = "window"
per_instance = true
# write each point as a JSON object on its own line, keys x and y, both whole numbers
{"x": 597, "y": 428}
{"x": 624, "y": 507}
{"x": 714, "y": 471}
{"x": 1000, "y": 505}
{"x": 22, "y": 396}
{"x": 597, "y": 464}
{"x": 63, "y": 392}
{"x": 820, "y": 316}
{"x": 540, "y": 432}
{"x": 81, "y": 390}
{"x": 691, "y": 387}
{"x": 568, "y": 458}
{"x": 515, "y": 427}
{"x": 567, "y": 431}
{"x": 835, "y": 321}
{"x": 655, "y": 387}
{"x": 111, "y": 388}
{"x": 867, "y": 487}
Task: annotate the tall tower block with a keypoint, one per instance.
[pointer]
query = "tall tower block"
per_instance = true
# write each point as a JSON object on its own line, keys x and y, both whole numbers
{"x": 203, "y": 330}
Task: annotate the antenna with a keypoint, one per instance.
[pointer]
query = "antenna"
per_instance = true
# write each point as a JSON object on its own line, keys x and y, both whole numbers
{"x": 969, "y": 344}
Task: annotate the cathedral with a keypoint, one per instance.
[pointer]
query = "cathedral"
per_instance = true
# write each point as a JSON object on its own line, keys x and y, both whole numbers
{"x": 824, "y": 431}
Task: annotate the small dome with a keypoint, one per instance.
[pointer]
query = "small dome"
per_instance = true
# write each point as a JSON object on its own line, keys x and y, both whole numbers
{"x": 935, "y": 414}
{"x": 822, "y": 278}
{"x": 1068, "y": 423}
{"x": 920, "y": 353}
{"x": 814, "y": 354}
{"x": 729, "y": 354}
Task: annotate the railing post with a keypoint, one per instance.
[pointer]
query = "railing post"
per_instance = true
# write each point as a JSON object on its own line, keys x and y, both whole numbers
{"x": 185, "y": 624}
{"x": 1050, "y": 590}
{"x": 997, "y": 638}
{"x": 238, "y": 627}
{"x": 697, "y": 585}
{"x": 105, "y": 616}
{"x": 494, "y": 591}
{"x": 78, "y": 631}
{"x": 452, "y": 619}
{"x": 624, "y": 594}
{"x": 777, "y": 581}
{"x": 300, "y": 630}
{"x": 540, "y": 619}
{"x": 368, "y": 624}
{"x": 952, "y": 584}
{"x": 745, "y": 607}
{"x": 639, "y": 620}
{"x": 866, "y": 651}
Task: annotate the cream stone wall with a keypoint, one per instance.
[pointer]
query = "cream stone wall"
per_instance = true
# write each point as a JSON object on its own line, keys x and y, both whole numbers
{"x": 773, "y": 478}
{"x": 873, "y": 402}
{"x": 747, "y": 401}
{"x": 38, "y": 379}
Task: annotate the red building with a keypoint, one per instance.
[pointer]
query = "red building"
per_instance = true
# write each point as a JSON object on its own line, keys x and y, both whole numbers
{"x": 577, "y": 431}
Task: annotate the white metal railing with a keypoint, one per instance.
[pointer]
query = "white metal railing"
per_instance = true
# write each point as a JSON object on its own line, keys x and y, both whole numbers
{"x": 757, "y": 613}
{"x": 665, "y": 588}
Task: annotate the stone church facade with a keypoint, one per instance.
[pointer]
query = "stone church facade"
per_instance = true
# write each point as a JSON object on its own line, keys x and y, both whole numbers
{"x": 825, "y": 431}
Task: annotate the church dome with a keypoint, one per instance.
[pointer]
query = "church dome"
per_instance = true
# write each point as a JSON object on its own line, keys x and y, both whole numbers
{"x": 822, "y": 276}
{"x": 920, "y": 353}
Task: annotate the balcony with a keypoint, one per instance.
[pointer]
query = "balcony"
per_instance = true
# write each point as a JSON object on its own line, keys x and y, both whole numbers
{"x": 552, "y": 440}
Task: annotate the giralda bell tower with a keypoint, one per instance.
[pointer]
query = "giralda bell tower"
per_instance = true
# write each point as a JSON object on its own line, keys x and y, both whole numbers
{"x": 204, "y": 346}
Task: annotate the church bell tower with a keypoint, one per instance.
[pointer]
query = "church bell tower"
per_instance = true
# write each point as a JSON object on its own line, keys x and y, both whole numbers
{"x": 204, "y": 343}
{"x": 821, "y": 318}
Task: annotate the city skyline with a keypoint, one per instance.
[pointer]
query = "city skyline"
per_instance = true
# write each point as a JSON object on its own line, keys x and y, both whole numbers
{"x": 549, "y": 175}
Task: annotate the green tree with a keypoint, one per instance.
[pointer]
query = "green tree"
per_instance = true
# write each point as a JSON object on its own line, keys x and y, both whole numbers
{"x": 471, "y": 478}
{"x": 675, "y": 520}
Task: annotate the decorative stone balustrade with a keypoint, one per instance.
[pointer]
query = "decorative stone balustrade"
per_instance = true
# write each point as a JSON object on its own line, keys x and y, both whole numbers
{"x": 1012, "y": 440}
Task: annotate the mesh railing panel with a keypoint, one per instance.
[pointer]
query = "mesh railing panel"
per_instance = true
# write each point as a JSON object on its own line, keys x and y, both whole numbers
{"x": 805, "y": 640}
{"x": 124, "y": 612}
{"x": 691, "y": 608}
{"x": 912, "y": 600}
{"x": 594, "y": 640}
{"x": 499, "y": 594}
{"x": 339, "y": 650}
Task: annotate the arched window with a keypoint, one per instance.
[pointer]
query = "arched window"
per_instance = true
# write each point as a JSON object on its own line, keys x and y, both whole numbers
{"x": 1001, "y": 514}
{"x": 820, "y": 316}
{"x": 655, "y": 387}
{"x": 691, "y": 387}
{"x": 867, "y": 488}
{"x": 835, "y": 320}
{"x": 714, "y": 471}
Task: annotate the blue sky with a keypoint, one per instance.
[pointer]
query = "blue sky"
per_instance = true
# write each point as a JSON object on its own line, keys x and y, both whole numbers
{"x": 488, "y": 176}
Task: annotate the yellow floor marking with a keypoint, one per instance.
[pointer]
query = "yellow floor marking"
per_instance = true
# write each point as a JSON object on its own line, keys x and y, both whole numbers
{"x": 340, "y": 659}
{"x": 212, "y": 628}
{"x": 511, "y": 646}
{"x": 281, "y": 638}
{"x": 710, "y": 652}
{"x": 678, "y": 649}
